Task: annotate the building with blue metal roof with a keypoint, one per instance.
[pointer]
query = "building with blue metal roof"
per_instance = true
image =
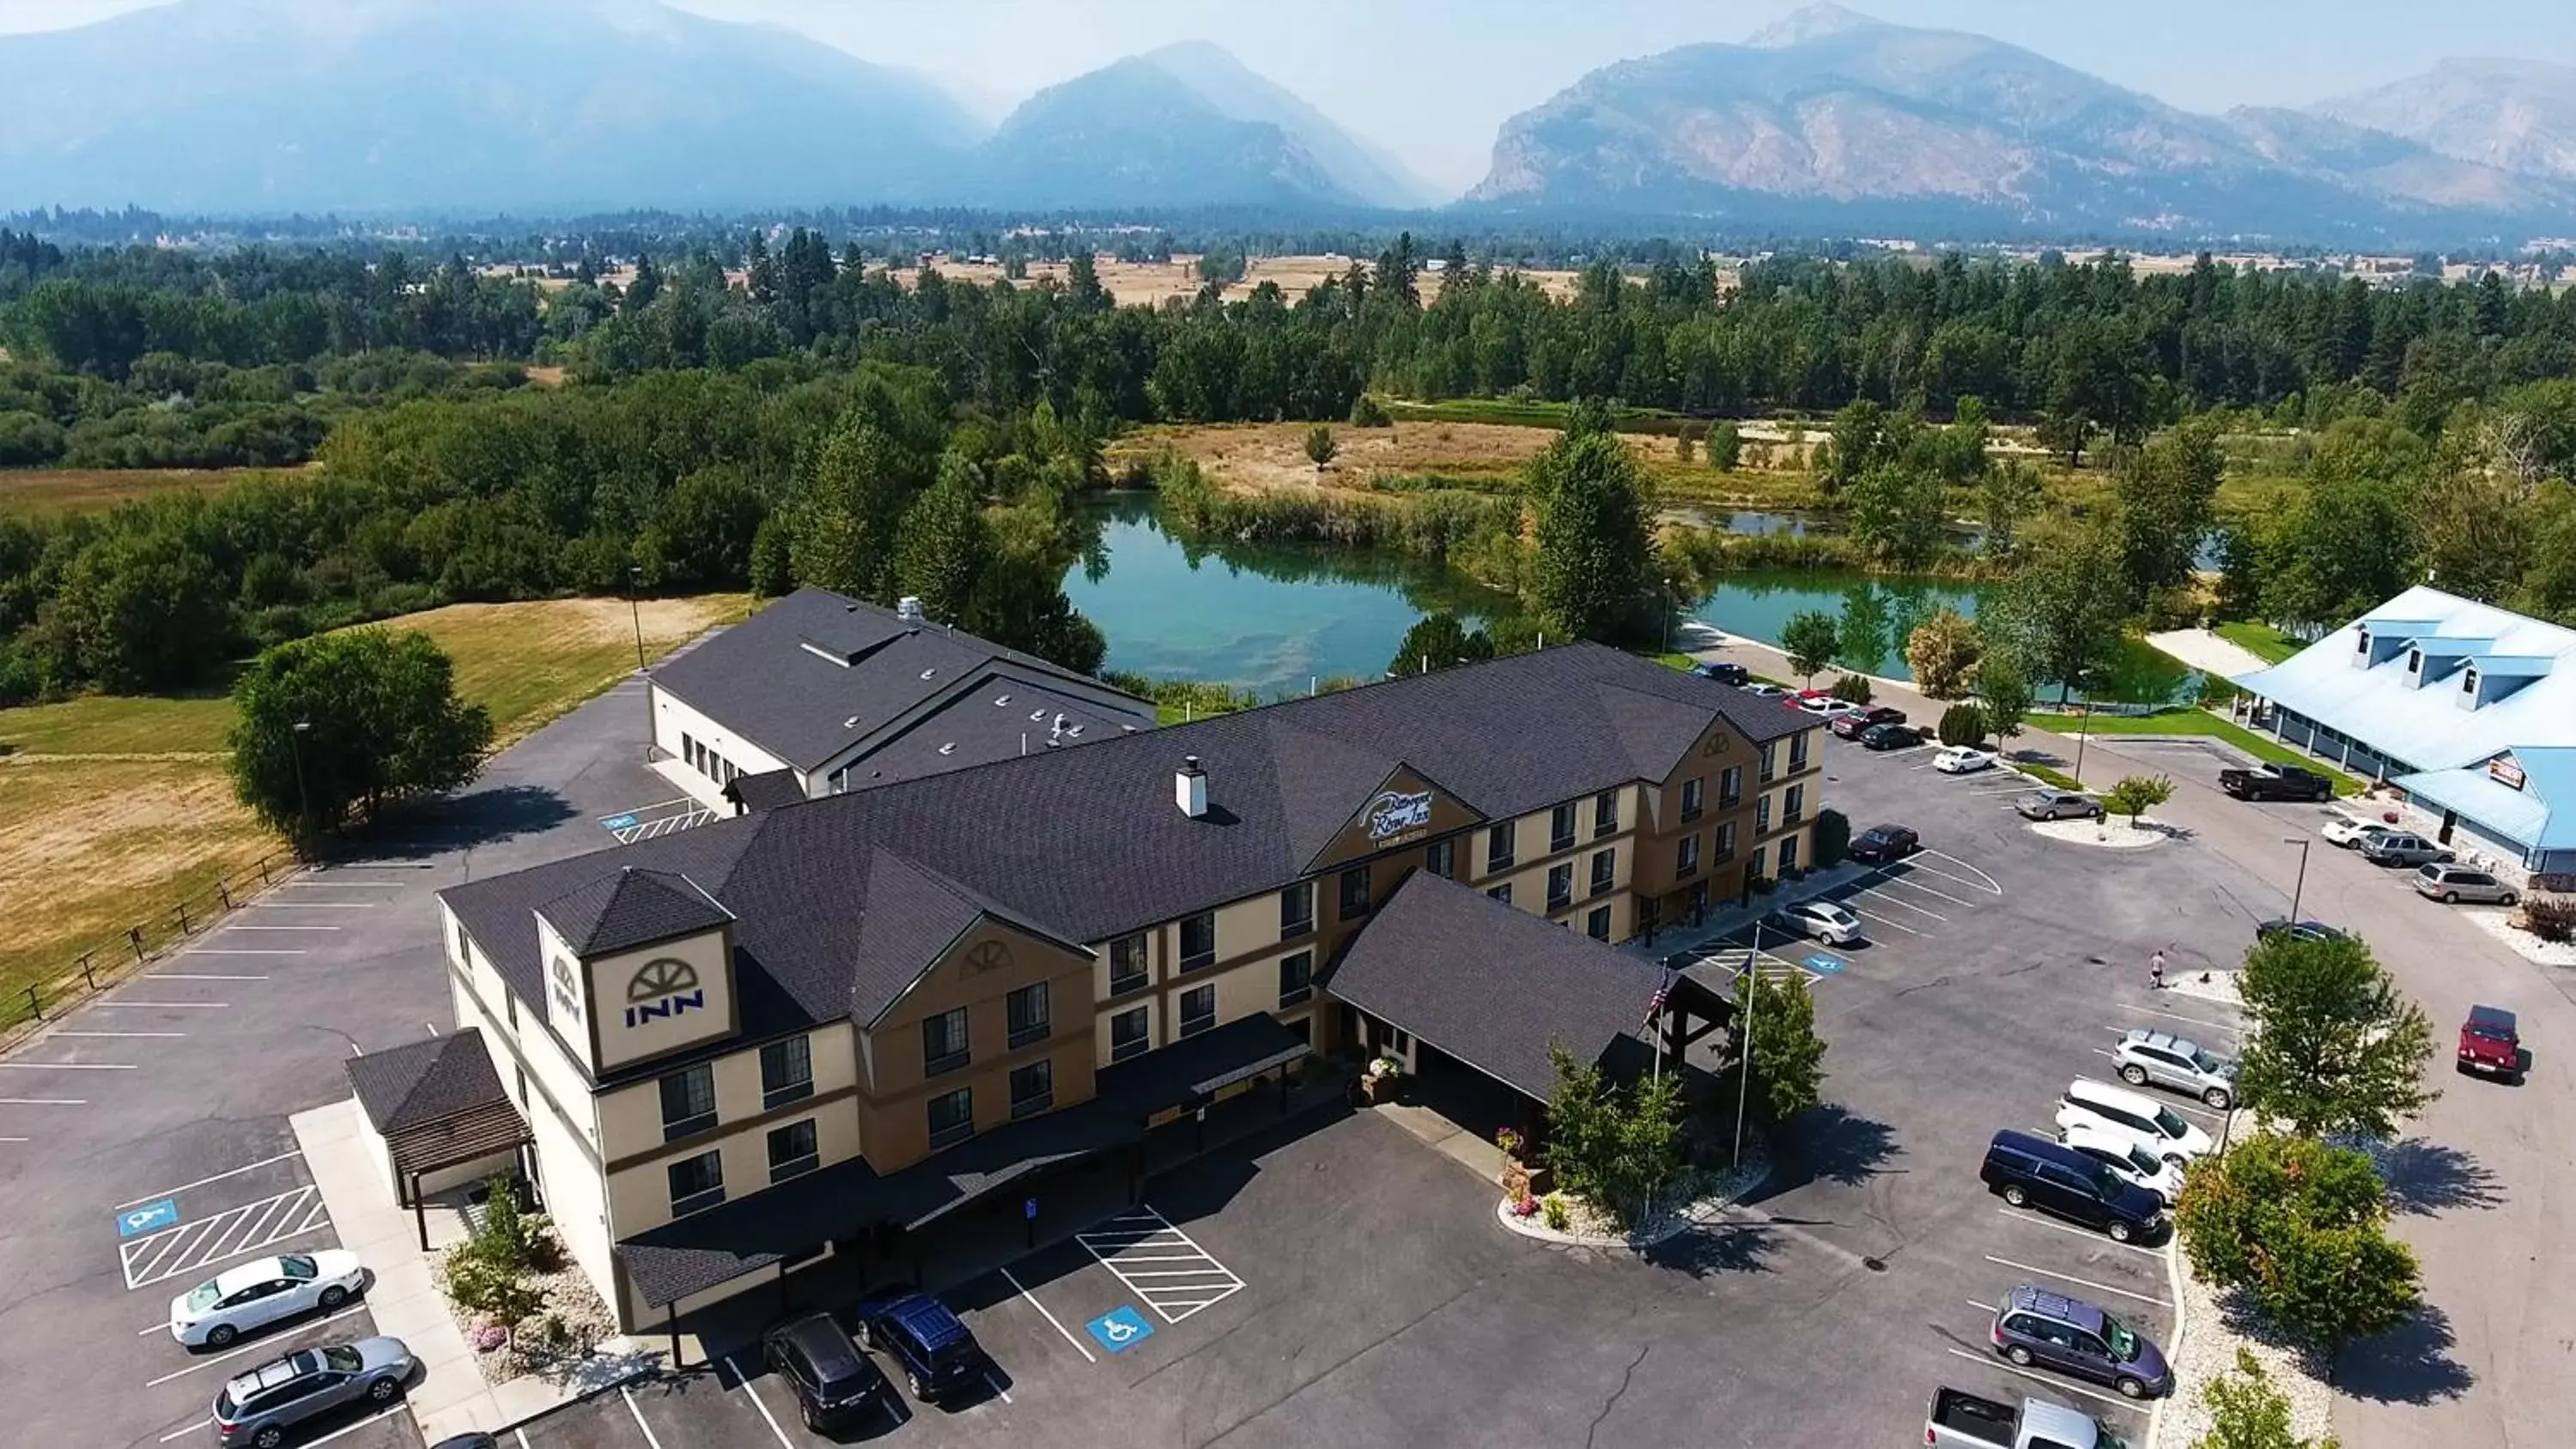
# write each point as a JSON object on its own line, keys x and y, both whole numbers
{"x": 2468, "y": 708}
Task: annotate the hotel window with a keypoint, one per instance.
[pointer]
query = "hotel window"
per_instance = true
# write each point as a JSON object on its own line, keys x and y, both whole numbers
{"x": 1793, "y": 807}
{"x": 1597, "y": 924}
{"x": 1605, "y": 869}
{"x": 1032, "y": 1089}
{"x": 509, "y": 1007}
{"x": 1501, "y": 893}
{"x": 952, "y": 1118}
{"x": 793, "y": 1151}
{"x": 1198, "y": 940}
{"x": 522, "y": 1074}
{"x": 1605, "y": 814}
{"x": 1798, "y": 751}
{"x": 1686, "y": 857}
{"x": 1788, "y": 855}
{"x": 1759, "y": 852}
{"x": 1722, "y": 849}
{"x": 1296, "y": 979}
{"x": 697, "y": 1183}
{"x": 1767, "y": 768}
{"x": 688, "y": 1102}
{"x": 1027, "y": 1010}
{"x": 1560, "y": 828}
{"x": 1296, "y": 910}
{"x": 1131, "y": 1033}
{"x": 1440, "y": 858}
{"x": 1355, "y": 893}
{"x": 1560, "y": 886}
{"x": 943, "y": 1043}
{"x": 1730, "y": 787}
{"x": 1694, "y": 794}
{"x": 786, "y": 1072}
{"x": 1127, "y": 969}
{"x": 1198, "y": 1009}
{"x": 1762, "y": 815}
{"x": 1498, "y": 848}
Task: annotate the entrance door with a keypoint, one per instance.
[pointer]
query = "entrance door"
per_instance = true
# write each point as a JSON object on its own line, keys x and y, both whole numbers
{"x": 2449, "y": 818}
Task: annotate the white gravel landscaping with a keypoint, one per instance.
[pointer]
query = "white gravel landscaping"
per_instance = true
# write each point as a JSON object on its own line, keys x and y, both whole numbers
{"x": 2497, "y": 921}
{"x": 2218, "y": 1326}
{"x": 2113, "y": 834}
{"x": 2207, "y": 985}
{"x": 1702, "y": 1197}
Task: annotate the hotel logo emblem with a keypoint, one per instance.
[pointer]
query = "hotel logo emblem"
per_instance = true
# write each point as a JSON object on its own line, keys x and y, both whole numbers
{"x": 664, "y": 986}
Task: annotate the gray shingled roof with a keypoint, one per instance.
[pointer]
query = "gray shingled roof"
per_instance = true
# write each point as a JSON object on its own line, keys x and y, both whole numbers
{"x": 1085, "y": 844}
{"x": 766, "y": 790}
{"x": 793, "y": 678}
{"x": 1492, "y": 985}
{"x": 634, "y": 906}
{"x": 425, "y": 1081}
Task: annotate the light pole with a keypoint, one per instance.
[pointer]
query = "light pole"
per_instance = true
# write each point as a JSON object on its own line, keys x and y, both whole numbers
{"x": 2300, "y": 886}
{"x": 635, "y": 611}
{"x": 1744, "y": 1037}
{"x": 303, "y": 801}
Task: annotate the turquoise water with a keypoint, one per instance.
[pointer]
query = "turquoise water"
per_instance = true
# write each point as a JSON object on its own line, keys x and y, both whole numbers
{"x": 1271, "y": 618}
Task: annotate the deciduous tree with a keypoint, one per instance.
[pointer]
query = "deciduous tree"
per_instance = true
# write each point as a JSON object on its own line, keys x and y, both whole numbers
{"x": 1612, "y": 1148}
{"x": 381, "y": 722}
{"x": 2135, "y": 795}
{"x": 2003, "y": 692}
{"x": 1593, "y": 574}
{"x": 1810, "y": 640}
{"x": 2055, "y": 615}
{"x": 1942, "y": 654}
{"x": 2301, "y": 1226}
{"x": 1788, "y": 1055}
{"x": 2334, "y": 1048}
{"x": 1437, "y": 641}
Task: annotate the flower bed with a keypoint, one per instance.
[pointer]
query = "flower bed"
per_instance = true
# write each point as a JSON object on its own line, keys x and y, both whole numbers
{"x": 1696, "y": 1197}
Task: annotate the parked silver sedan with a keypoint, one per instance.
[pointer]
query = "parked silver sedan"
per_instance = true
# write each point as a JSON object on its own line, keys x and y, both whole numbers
{"x": 2058, "y": 805}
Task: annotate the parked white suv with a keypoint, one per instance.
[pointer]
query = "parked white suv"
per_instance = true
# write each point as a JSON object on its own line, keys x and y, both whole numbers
{"x": 2166, "y": 1060}
{"x": 2151, "y": 1125}
{"x": 2127, "y": 1160}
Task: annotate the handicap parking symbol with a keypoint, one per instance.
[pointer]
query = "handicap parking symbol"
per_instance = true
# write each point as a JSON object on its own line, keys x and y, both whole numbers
{"x": 619, "y": 822}
{"x": 152, "y": 1217}
{"x": 1120, "y": 1329}
{"x": 1824, "y": 964}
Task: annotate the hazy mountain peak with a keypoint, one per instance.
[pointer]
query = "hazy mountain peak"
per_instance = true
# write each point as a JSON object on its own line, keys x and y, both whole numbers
{"x": 2516, "y": 115}
{"x": 1811, "y": 22}
{"x": 1357, "y": 166}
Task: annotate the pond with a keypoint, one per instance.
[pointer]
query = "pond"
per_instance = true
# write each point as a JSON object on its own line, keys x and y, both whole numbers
{"x": 1269, "y": 617}
{"x": 1272, "y": 618}
{"x": 1874, "y": 614}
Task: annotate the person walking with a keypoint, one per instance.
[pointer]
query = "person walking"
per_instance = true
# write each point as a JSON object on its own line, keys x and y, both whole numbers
{"x": 2156, "y": 970}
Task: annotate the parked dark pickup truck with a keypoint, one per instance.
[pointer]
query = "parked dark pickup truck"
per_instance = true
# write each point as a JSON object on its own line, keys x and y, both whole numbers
{"x": 2276, "y": 782}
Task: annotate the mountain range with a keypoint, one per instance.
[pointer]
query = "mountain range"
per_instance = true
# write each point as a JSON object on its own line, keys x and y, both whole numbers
{"x": 1833, "y": 115}
{"x": 1828, "y": 121}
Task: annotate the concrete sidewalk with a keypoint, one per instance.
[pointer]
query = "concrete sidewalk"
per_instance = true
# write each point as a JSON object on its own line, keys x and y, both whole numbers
{"x": 451, "y": 1396}
{"x": 2208, "y": 653}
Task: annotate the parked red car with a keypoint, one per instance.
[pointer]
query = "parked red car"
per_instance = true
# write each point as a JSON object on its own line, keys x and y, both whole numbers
{"x": 1849, "y": 727}
{"x": 2491, "y": 1044}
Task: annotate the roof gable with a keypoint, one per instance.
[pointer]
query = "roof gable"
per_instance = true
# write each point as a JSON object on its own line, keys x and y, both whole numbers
{"x": 425, "y": 1081}
{"x": 635, "y": 907}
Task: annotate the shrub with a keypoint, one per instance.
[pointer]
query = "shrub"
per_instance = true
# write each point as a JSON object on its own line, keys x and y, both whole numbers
{"x": 1320, "y": 447}
{"x": 1559, "y": 1216}
{"x": 2551, "y": 918}
{"x": 1832, "y": 838}
{"x": 1852, "y": 687}
{"x": 1368, "y": 412}
{"x": 1963, "y": 724}
{"x": 479, "y": 1286}
{"x": 2300, "y": 1226}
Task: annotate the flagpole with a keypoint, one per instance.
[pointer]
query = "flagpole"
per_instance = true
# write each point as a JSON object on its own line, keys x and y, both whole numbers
{"x": 1744, "y": 1039}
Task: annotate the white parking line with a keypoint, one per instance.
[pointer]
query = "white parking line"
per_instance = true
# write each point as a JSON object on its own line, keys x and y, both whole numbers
{"x": 2194, "y": 1020}
{"x": 628, "y": 1395}
{"x": 1883, "y": 878}
{"x": 1109, "y": 1245}
{"x": 523, "y": 1438}
{"x": 15, "y": 1139}
{"x": 203, "y": 976}
{"x": 387, "y": 1412}
{"x": 42, "y": 1102}
{"x": 1884, "y": 921}
{"x": 1879, "y": 895}
{"x": 235, "y": 1232}
{"x": 309, "y": 905}
{"x": 104, "y": 1035}
{"x": 2071, "y": 1278}
{"x": 325, "y": 885}
{"x": 2112, "y": 1399}
{"x": 1079, "y": 1346}
{"x": 283, "y": 928}
{"x": 164, "y": 1005}
{"x": 996, "y": 1386}
{"x": 753, "y": 1394}
{"x": 183, "y": 1433}
{"x": 1975, "y": 877}
{"x": 251, "y": 1348}
{"x": 227, "y": 951}
{"x": 201, "y": 1182}
{"x": 69, "y": 1066}
{"x": 2035, "y": 1220}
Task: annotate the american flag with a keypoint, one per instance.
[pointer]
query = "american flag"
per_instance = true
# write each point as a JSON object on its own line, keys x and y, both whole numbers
{"x": 1655, "y": 1004}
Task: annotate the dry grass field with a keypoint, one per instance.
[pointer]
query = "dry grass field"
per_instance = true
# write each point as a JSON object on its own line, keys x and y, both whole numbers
{"x": 92, "y": 490}
{"x": 118, "y": 808}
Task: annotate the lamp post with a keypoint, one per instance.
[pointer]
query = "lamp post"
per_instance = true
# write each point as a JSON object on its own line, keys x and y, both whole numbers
{"x": 303, "y": 801}
{"x": 635, "y": 610}
{"x": 1744, "y": 1035}
{"x": 2299, "y": 887}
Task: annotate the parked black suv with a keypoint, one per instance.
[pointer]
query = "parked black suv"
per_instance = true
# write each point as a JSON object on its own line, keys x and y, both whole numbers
{"x": 938, "y": 1355}
{"x": 1723, "y": 671}
{"x": 2034, "y": 1172}
{"x": 835, "y": 1384}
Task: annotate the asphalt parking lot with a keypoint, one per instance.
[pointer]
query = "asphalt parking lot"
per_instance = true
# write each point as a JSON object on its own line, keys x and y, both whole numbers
{"x": 144, "y": 1143}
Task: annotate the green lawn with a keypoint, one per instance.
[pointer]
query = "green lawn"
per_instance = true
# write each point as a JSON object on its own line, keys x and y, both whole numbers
{"x": 2188, "y": 721}
{"x": 2263, "y": 640}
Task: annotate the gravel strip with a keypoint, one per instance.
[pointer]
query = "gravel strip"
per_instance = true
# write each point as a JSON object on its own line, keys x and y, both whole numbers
{"x": 2219, "y": 1325}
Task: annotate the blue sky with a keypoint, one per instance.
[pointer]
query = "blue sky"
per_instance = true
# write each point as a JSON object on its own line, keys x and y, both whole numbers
{"x": 1433, "y": 79}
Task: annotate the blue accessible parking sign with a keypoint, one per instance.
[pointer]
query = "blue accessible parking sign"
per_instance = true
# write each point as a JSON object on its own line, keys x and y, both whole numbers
{"x": 1120, "y": 1329}
{"x": 151, "y": 1217}
{"x": 619, "y": 822}
{"x": 1827, "y": 965}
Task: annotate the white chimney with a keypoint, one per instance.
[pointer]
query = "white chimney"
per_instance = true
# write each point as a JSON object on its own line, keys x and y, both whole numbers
{"x": 1055, "y": 731}
{"x": 1189, "y": 788}
{"x": 909, "y": 608}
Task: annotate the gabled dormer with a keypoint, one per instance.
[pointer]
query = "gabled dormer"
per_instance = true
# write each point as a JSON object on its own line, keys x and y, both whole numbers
{"x": 2430, "y": 658}
{"x": 637, "y": 964}
{"x": 2491, "y": 677}
{"x": 2376, "y": 641}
